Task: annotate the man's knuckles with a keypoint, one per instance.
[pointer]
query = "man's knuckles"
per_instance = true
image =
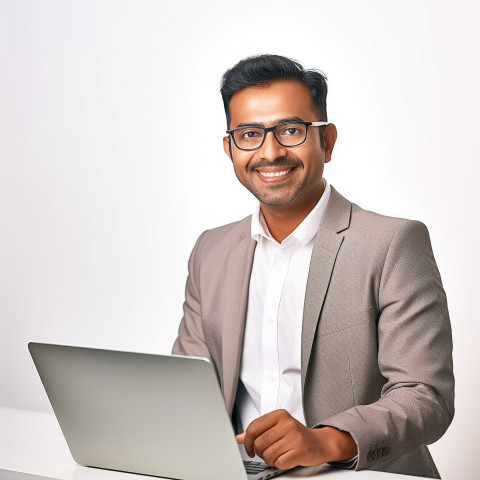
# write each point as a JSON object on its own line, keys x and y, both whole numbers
{"x": 254, "y": 429}
{"x": 263, "y": 442}
{"x": 271, "y": 454}
{"x": 284, "y": 462}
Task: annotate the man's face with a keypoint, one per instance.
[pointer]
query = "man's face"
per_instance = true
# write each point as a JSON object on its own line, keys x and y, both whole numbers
{"x": 280, "y": 176}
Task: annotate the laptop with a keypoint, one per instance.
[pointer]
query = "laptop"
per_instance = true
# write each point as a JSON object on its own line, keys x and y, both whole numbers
{"x": 141, "y": 413}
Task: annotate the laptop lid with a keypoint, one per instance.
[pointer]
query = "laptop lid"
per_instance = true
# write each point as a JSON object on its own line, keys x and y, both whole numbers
{"x": 140, "y": 413}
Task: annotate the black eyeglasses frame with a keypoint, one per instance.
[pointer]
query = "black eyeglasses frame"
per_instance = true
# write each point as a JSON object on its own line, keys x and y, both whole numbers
{"x": 272, "y": 129}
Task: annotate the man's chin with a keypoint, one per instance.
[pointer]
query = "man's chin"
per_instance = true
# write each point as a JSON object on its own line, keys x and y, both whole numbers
{"x": 273, "y": 201}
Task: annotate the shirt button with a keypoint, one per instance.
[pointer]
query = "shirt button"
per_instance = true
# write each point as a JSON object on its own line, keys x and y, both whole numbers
{"x": 270, "y": 320}
{"x": 280, "y": 270}
{"x": 272, "y": 378}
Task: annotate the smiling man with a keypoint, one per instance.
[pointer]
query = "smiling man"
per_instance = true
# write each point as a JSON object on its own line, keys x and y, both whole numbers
{"x": 327, "y": 324}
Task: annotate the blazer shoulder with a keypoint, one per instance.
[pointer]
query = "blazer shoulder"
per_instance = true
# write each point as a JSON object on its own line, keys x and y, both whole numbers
{"x": 379, "y": 224}
{"x": 341, "y": 215}
{"x": 221, "y": 239}
{"x": 372, "y": 235}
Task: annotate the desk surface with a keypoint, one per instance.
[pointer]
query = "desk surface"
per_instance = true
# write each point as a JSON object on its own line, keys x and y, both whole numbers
{"x": 32, "y": 442}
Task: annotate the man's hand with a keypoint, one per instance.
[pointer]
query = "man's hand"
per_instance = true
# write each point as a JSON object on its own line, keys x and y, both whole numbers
{"x": 283, "y": 442}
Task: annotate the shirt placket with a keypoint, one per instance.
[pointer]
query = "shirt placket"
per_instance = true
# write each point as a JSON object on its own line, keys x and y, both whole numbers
{"x": 270, "y": 356}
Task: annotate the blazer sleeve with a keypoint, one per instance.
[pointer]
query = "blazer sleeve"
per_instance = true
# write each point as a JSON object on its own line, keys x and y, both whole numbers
{"x": 191, "y": 338}
{"x": 414, "y": 355}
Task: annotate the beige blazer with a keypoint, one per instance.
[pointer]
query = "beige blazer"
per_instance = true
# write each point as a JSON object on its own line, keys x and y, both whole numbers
{"x": 376, "y": 337}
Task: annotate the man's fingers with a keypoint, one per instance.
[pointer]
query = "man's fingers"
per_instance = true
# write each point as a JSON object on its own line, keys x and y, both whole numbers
{"x": 257, "y": 428}
{"x": 286, "y": 460}
{"x": 273, "y": 452}
{"x": 248, "y": 443}
{"x": 266, "y": 430}
{"x": 269, "y": 438}
{"x": 240, "y": 437}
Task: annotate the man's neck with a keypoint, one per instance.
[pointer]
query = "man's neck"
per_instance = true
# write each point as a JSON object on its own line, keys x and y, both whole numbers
{"x": 282, "y": 221}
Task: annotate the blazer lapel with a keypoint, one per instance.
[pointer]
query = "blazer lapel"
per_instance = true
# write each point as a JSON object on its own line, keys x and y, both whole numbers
{"x": 325, "y": 250}
{"x": 238, "y": 268}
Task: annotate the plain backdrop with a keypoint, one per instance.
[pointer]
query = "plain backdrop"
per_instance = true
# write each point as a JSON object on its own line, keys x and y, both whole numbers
{"x": 111, "y": 160}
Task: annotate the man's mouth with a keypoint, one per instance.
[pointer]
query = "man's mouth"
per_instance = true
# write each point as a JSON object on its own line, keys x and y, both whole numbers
{"x": 273, "y": 174}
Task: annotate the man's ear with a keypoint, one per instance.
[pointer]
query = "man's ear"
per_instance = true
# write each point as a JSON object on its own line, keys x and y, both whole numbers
{"x": 329, "y": 139}
{"x": 227, "y": 146}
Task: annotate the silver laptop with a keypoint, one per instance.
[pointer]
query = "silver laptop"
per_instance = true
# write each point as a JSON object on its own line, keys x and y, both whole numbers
{"x": 149, "y": 414}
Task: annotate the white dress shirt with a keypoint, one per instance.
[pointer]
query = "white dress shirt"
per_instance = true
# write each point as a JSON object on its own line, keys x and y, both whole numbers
{"x": 270, "y": 372}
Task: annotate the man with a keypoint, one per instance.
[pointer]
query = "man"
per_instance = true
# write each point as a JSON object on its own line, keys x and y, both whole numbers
{"x": 327, "y": 324}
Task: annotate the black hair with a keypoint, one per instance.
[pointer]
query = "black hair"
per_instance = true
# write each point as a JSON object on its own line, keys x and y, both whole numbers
{"x": 265, "y": 69}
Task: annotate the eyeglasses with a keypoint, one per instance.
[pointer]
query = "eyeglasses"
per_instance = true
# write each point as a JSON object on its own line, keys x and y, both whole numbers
{"x": 287, "y": 134}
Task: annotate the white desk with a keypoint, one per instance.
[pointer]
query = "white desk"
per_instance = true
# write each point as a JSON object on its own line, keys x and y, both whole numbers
{"x": 32, "y": 442}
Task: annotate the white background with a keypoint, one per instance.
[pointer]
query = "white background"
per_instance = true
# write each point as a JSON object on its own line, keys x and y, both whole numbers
{"x": 111, "y": 160}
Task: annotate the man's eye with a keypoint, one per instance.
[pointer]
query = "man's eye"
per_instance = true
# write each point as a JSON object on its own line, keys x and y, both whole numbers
{"x": 290, "y": 131}
{"x": 250, "y": 134}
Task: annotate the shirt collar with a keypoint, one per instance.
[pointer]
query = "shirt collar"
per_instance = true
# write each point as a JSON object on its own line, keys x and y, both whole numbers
{"x": 305, "y": 232}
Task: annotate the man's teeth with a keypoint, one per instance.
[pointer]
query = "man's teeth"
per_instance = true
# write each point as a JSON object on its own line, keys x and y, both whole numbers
{"x": 273, "y": 174}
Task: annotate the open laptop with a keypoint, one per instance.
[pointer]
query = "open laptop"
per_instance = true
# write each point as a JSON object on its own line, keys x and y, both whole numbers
{"x": 140, "y": 413}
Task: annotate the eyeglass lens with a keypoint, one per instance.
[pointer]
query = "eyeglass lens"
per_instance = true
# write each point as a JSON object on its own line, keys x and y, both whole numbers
{"x": 288, "y": 135}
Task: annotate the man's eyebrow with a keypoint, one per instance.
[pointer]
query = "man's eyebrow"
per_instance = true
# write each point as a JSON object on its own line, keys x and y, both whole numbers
{"x": 280, "y": 121}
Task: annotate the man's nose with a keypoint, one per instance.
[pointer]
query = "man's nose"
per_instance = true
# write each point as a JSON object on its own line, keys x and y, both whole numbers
{"x": 271, "y": 149}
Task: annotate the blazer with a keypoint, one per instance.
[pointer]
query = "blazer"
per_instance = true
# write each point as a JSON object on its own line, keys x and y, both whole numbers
{"x": 376, "y": 355}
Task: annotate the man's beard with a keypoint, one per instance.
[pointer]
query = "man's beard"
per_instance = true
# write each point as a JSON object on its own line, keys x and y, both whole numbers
{"x": 270, "y": 199}
{"x": 281, "y": 200}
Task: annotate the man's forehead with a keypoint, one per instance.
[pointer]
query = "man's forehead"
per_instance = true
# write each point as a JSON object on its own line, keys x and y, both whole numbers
{"x": 272, "y": 102}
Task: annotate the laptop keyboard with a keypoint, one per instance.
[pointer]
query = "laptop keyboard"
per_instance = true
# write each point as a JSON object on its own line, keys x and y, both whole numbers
{"x": 255, "y": 467}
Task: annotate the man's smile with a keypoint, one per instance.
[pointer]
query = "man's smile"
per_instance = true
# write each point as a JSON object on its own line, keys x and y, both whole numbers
{"x": 274, "y": 174}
